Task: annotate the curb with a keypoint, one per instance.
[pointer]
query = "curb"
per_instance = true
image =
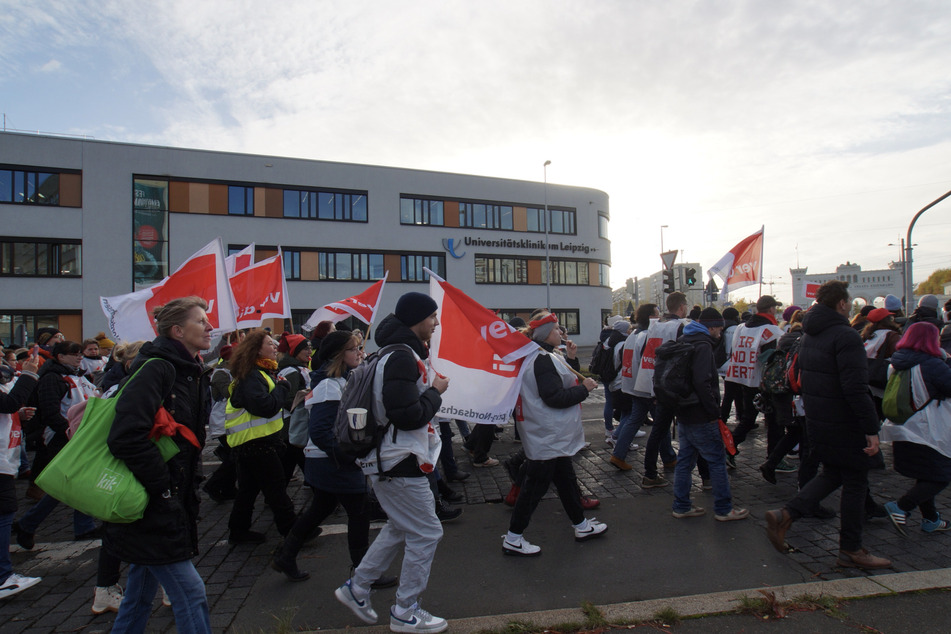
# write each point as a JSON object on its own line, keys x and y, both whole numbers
{"x": 703, "y": 604}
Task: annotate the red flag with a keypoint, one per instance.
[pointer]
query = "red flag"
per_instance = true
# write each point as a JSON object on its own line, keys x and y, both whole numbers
{"x": 260, "y": 292}
{"x": 481, "y": 354}
{"x": 203, "y": 274}
{"x": 742, "y": 265}
{"x": 240, "y": 260}
{"x": 362, "y": 306}
{"x": 810, "y": 290}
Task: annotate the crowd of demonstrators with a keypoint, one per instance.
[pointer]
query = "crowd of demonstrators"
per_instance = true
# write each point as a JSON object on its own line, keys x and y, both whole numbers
{"x": 640, "y": 404}
{"x": 551, "y": 432}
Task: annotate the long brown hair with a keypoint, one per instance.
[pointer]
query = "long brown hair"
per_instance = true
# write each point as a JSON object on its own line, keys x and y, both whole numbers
{"x": 244, "y": 356}
{"x": 336, "y": 365}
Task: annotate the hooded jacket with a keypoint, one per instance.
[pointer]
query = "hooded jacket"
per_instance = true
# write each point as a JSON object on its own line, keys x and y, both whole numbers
{"x": 168, "y": 531}
{"x": 705, "y": 379}
{"x": 405, "y": 407}
{"x": 834, "y": 366}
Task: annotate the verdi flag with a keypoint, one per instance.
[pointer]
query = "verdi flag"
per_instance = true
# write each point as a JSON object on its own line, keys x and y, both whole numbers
{"x": 240, "y": 260}
{"x": 362, "y": 306}
{"x": 742, "y": 265}
{"x": 202, "y": 274}
{"x": 481, "y": 354}
{"x": 260, "y": 292}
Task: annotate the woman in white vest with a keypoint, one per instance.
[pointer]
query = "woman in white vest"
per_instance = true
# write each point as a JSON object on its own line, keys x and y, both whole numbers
{"x": 551, "y": 433}
{"x": 253, "y": 422}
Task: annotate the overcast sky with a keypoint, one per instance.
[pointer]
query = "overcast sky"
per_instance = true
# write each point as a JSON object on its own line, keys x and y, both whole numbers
{"x": 827, "y": 122}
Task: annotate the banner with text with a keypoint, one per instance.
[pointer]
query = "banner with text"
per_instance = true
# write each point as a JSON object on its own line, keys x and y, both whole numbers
{"x": 742, "y": 265}
{"x": 260, "y": 292}
{"x": 362, "y": 306}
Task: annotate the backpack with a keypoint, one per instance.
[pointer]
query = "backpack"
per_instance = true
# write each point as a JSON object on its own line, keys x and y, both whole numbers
{"x": 602, "y": 361}
{"x": 358, "y": 392}
{"x": 897, "y": 403}
{"x": 673, "y": 374}
{"x": 775, "y": 376}
{"x": 793, "y": 374}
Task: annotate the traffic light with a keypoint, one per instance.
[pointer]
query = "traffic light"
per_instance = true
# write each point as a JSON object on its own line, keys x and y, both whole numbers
{"x": 669, "y": 281}
{"x": 690, "y": 276}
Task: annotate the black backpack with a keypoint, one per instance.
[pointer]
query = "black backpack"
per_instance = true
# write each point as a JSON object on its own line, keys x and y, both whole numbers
{"x": 775, "y": 372}
{"x": 602, "y": 359}
{"x": 673, "y": 375}
{"x": 358, "y": 392}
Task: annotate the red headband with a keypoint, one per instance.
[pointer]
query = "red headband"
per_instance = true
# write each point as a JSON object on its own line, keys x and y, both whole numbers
{"x": 550, "y": 318}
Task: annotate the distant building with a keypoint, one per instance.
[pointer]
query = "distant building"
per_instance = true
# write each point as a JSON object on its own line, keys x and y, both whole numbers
{"x": 865, "y": 285}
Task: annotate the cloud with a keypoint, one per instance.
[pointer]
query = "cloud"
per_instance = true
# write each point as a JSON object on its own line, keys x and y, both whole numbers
{"x": 51, "y": 66}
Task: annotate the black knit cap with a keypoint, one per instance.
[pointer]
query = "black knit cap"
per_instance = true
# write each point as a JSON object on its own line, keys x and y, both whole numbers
{"x": 414, "y": 307}
{"x": 333, "y": 343}
{"x": 711, "y": 318}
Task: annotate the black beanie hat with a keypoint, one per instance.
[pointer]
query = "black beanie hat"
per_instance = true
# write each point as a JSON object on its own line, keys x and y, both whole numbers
{"x": 731, "y": 313}
{"x": 333, "y": 343}
{"x": 711, "y": 318}
{"x": 414, "y": 307}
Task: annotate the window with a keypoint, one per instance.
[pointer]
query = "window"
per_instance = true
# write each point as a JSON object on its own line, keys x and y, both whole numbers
{"x": 411, "y": 267}
{"x": 418, "y": 211}
{"x": 29, "y": 187}
{"x": 603, "y": 226}
{"x": 568, "y": 319}
{"x": 291, "y": 264}
{"x": 40, "y": 258}
{"x": 604, "y": 275}
{"x": 240, "y": 200}
{"x": 485, "y": 216}
{"x": 567, "y": 272}
{"x": 300, "y": 204}
{"x": 498, "y": 270}
{"x": 562, "y": 220}
{"x": 149, "y": 231}
{"x": 18, "y": 328}
{"x": 340, "y": 206}
{"x": 350, "y": 266}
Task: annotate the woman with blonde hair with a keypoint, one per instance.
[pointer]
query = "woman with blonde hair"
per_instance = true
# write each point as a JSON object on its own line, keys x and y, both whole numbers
{"x": 253, "y": 423}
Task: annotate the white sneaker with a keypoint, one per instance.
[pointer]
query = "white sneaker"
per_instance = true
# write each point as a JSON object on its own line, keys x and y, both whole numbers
{"x": 165, "y": 600}
{"x": 523, "y": 549}
{"x": 418, "y": 620}
{"x": 609, "y": 440}
{"x": 633, "y": 446}
{"x": 107, "y": 599}
{"x": 17, "y": 583}
{"x": 640, "y": 433}
{"x": 362, "y": 609}
{"x": 595, "y": 528}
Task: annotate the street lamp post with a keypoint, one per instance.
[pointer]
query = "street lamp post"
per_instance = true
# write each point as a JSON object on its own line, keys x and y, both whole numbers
{"x": 662, "y": 227}
{"x": 547, "y": 261}
{"x": 908, "y": 285}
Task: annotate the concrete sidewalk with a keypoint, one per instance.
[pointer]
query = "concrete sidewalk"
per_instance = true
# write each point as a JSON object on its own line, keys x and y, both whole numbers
{"x": 646, "y": 561}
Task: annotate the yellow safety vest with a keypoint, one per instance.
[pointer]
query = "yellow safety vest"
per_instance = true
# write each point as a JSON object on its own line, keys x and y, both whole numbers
{"x": 242, "y": 426}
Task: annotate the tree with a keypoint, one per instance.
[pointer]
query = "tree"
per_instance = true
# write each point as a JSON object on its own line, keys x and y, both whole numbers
{"x": 935, "y": 283}
{"x": 741, "y": 305}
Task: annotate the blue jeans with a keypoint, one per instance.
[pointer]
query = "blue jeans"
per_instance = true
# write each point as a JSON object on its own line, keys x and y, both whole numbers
{"x": 32, "y": 519}
{"x": 659, "y": 441}
{"x": 185, "y": 589}
{"x": 701, "y": 440}
{"x": 630, "y": 424}
{"x": 608, "y": 409}
{"x": 6, "y": 566}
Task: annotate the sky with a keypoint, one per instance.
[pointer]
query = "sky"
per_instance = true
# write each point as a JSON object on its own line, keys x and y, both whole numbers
{"x": 829, "y": 123}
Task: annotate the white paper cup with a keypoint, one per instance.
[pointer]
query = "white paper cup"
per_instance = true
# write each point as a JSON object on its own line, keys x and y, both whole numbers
{"x": 357, "y": 417}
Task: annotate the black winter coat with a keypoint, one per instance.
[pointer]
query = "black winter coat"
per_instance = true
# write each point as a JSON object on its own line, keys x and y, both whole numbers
{"x": 405, "y": 407}
{"x": 168, "y": 532}
{"x": 705, "y": 381}
{"x": 839, "y": 410}
{"x": 550, "y": 386}
{"x": 50, "y": 390}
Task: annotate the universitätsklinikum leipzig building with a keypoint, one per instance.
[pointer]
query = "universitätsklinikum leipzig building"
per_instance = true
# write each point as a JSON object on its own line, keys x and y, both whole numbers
{"x": 83, "y": 218}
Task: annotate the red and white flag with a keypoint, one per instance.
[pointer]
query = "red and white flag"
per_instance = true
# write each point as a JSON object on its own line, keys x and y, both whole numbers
{"x": 481, "y": 354}
{"x": 203, "y": 274}
{"x": 240, "y": 260}
{"x": 742, "y": 265}
{"x": 260, "y": 292}
{"x": 362, "y": 306}
{"x": 809, "y": 289}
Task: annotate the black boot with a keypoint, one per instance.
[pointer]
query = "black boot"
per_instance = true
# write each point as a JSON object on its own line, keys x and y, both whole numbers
{"x": 447, "y": 492}
{"x": 286, "y": 559}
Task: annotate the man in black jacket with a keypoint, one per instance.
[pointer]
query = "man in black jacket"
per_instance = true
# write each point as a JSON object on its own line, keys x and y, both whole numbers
{"x": 411, "y": 395}
{"x": 698, "y": 425}
{"x": 841, "y": 421}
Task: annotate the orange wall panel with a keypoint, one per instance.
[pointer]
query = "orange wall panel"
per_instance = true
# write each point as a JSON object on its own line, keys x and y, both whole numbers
{"x": 450, "y": 211}
{"x": 72, "y": 327}
{"x": 519, "y": 219}
{"x": 260, "y": 202}
{"x": 198, "y": 198}
{"x": 594, "y": 274}
{"x": 534, "y": 272}
{"x": 263, "y": 254}
{"x": 273, "y": 202}
{"x": 391, "y": 263}
{"x": 70, "y": 190}
{"x": 218, "y": 199}
{"x": 177, "y": 196}
{"x": 309, "y": 266}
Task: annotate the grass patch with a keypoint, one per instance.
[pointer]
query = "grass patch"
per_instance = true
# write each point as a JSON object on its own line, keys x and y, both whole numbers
{"x": 667, "y": 616}
{"x": 593, "y": 616}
